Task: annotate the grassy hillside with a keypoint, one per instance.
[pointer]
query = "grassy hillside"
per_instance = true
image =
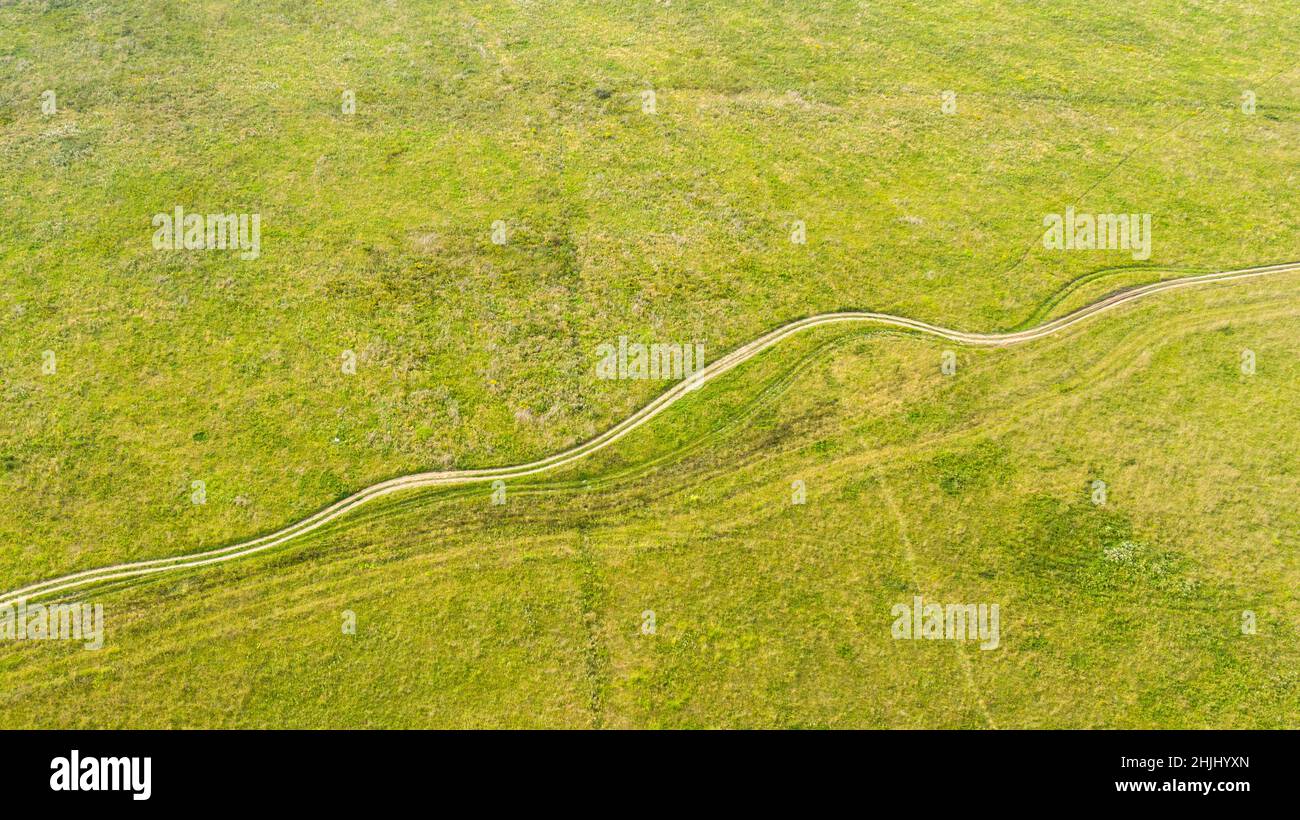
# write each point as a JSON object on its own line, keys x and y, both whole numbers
{"x": 970, "y": 487}
{"x": 175, "y": 367}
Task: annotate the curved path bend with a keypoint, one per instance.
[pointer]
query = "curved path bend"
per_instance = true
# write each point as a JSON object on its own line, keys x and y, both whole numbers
{"x": 618, "y": 431}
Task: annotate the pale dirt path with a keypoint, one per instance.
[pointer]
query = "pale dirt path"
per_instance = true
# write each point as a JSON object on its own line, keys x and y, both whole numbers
{"x": 618, "y": 431}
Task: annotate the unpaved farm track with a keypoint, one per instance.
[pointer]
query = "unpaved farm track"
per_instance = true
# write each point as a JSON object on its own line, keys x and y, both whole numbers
{"x": 618, "y": 431}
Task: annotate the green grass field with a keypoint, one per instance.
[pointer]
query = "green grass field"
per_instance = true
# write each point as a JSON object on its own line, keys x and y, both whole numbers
{"x": 177, "y": 366}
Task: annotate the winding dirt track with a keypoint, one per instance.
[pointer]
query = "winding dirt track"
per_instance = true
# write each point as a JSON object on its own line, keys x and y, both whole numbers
{"x": 640, "y": 417}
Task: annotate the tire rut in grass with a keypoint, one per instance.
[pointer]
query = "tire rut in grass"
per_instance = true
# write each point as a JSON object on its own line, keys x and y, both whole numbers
{"x": 592, "y": 596}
